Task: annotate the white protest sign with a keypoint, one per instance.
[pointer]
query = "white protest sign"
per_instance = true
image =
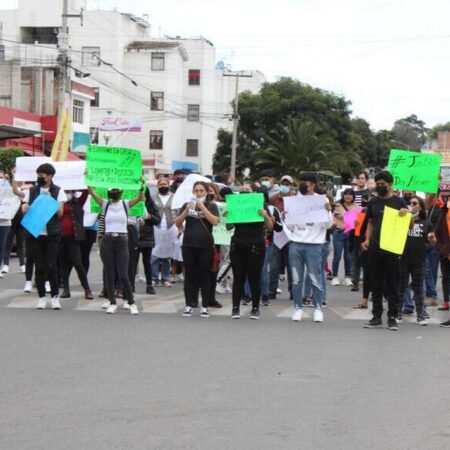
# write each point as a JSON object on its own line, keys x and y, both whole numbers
{"x": 9, "y": 203}
{"x": 69, "y": 174}
{"x": 184, "y": 192}
{"x": 281, "y": 238}
{"x": 303, "y": 209}
{"x": 26, "y": 167}
{"x": 89, "y": 219}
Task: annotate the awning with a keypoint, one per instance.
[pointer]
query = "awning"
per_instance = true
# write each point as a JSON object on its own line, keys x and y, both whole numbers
{"x": 31, "y": 152}
{"x": 11, "y": 132}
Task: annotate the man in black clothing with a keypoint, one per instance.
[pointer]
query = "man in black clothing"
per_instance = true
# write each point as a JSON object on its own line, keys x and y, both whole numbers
{"x": 361, "y": 189}
{"x": 383, "y": 265}
{"x": 178, "y": 178}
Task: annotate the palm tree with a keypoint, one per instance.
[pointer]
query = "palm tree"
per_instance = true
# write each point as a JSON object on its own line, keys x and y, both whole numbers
{"x": 300, "y": 147}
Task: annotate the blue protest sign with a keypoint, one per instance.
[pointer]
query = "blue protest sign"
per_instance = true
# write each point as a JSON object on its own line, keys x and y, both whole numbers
{"x": 40, "y": 212}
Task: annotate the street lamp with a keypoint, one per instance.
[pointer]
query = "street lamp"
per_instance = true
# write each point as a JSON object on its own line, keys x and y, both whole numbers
{"x": 399, "y": 142}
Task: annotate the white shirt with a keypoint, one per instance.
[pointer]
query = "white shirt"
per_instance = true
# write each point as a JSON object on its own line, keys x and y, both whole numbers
{"x": 62, "y": 197}
{"x": 116, "y": 218}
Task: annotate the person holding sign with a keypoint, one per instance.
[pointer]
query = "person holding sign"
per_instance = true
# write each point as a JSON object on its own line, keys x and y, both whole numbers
{"x": 248, "y": 247}
{"x": 114, "y": 246}
{"x": 383, "y": 265}
{"x": 199, "y": 216}
{"x": 44, "y": 247}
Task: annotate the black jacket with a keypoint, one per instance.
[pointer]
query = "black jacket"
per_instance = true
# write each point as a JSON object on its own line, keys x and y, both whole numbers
{"x": 76, "y": 209}
{"x": 54, "y": 224}
{"x": 146, "y": 232}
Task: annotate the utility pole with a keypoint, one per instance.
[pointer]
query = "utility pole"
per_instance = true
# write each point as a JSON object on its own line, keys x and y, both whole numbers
{"x": 237, "y": 75}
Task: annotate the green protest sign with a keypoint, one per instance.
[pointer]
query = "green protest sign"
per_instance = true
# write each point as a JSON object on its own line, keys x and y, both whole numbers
{"x": 109, "y": 167}
{"x": 222, "y": 236}
{"x": 128, "y": 194}
{"x": 414, "y": 171}
{"x": 243, "y": 208}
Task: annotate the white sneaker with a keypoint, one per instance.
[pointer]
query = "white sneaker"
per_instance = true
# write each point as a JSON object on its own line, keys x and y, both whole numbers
{"x": 348, "y": 281}
{"x": 180, "y": 278}
{"x": 279, "y": 291}
{"x": 204, "y": 312}
{"x": 47, "y": 287}
{"x": 335, "y": 282}
{"x": 126, "y": 305}
{"x": 167, "y": 284}
{"x": 221, "y": 289}
{"x": 187, "y": 311}
{"x": 55, "y": 303}
{"x": 5, "y": 269}
{"x": 134, "y": 311}
{"x": 298, "y": 314}
{"x": 22, "y": 269}
{"x": 172, "y": 279}
{"x": 106, "y": 305}
{"x": 318, "y": 315}
{"x": 140, "y": 279}
{"x": 1, "y": 275}
{"x": 111, "y": 309}
{"x": 28, "y": 286}
{"x": 42, "y": 303}
{"x": 229, "y": 290}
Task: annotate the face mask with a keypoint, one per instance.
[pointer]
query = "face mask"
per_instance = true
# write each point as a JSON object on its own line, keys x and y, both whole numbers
{"x": 303, "y": 189}
{"x": 210, "y": 197}
{"x": 163, "y": 190}
{"x": 266, "y": 183}
{"x": 382, "y": 191}
{"x": 69, "y": 197}
{"x": 284, "y": 189}
{"x": 41, "y": 181}
{"x": 3, "y": 182}
{"x": 114, "y": 196}
{"x": 201, "y": 199}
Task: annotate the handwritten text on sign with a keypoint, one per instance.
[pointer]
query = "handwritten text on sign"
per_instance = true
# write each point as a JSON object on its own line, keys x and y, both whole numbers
{"x": 414, "y": 171}
{"x": 303, "y": 209}
{"x": 243, "y": 208}
{"x": 113, "y": 167}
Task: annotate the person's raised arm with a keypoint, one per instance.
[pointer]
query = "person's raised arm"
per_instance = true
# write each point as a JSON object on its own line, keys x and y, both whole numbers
{"x": 209, "y": 216}
{"x": 182, "y": 216}
{"x": 95, "y": 196}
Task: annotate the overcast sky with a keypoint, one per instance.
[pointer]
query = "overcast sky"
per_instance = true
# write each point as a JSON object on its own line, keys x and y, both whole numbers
{"x": 390, "y": 58}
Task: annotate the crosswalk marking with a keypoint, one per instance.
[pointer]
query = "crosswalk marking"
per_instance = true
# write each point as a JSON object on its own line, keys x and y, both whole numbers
{"x": 24, "y": 302}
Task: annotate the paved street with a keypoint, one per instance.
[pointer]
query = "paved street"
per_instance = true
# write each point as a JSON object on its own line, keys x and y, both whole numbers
{"x": 79, "y": 379}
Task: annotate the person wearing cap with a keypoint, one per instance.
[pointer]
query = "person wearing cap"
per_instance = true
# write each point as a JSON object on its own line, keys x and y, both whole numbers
{"x": 305, "y": 251}
{"x": 44, "y": 248}
{"x": 268, "y": 180}
{"x": 114, "y": 250}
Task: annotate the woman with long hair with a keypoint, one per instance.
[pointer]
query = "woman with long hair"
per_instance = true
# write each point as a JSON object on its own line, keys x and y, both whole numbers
{"x": 199, "y": 216}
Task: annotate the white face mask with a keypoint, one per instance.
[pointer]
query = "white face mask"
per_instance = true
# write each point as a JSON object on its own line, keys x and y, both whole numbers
{"x": 201, "y": 199}
{"x": 69, "y": 196}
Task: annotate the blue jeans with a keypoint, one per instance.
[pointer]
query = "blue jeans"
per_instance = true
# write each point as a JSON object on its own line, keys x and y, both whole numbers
{"x": 278, "y": 260}
{"x": 341, "y": 244}
{"x": 3, "y": 235}
{"x": 431, "y": 271}
{"x": 310, "y": 256}
{"x": 265, "y": 275}
{"x": 165, "y": 268}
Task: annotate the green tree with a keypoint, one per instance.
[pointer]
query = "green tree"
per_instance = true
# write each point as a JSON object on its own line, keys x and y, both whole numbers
{"x": 433, "y": 132}
{"x": 8, "y": 157}
{"x": 410, "y": 131}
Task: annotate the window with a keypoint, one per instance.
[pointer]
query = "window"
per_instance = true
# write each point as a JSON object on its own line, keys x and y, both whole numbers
{"x": 90, "y": 56}
{"x": 193, "y": 114}
{"x": 93, "y": 131}
{"x": 96, "y": 102}
{"x": 157, "y": 101}
{"x": 158, "y": 61}
{"x": 194, "y": 77}
{"x": 78, "y": 111}
{"x": 156, "y": 140}
{"x": 192, "y": 147}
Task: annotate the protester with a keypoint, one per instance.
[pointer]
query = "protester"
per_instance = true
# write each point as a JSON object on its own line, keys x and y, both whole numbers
{"x": 44, "y": 248}
{"x": 341, "y": 238}
{"x": 178, "y": 178}
{"x": 199, "y": 216}
{"x": 5, "y": 224}
{"x": 268, "y": 180}
{"x": 383, "y": 265}
{"x": 306, "y": 251}
{"x": 361, "y": 190}
{"x": 114, "y": 244}
{"x": 247, "y": 256}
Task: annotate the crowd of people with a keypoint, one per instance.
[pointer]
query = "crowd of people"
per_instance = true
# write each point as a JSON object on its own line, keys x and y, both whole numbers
{"x": 177, "y": 245}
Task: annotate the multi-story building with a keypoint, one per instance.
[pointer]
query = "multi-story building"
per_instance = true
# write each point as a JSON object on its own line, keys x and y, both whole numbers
{"x": 166, "y": 97}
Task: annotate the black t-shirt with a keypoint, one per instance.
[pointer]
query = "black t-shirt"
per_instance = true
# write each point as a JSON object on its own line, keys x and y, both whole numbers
{"x": 195, "y": 234}
{"x": 250, "y": 233}
{"x": 375, "y": 211}
{"x": 360, "y": 194}
{"x": 415, "y": 248}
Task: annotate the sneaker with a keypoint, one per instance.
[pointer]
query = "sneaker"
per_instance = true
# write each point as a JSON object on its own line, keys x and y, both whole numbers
{"x": 279, "y": 291}
{"x": 426, "y": 314}
{"x": 373, "y": 323}
{"x": 392, "y": 324}
{"x": 180, "y": 278}
{"x": 47, "y": 287}
{"x": 156, "y": 283}
{"x": 220, "y": 289}
{"x": 431, "y": 301}
{"x": 22, "y": 269}
{"x": 281, "y": 277}
{"x": 246, "y": 300}
{"x": 150, "y": 290}
{"x": 55, "y": 303}
{"x": 215, "y": 304}
{"x": 172, "y": 279}
{"x": 111, "y": 309}
{"x": 204, "y": 312}
{"x": 235, "y": 314}
{"x": 324, "y": 304}
{"x": 348, "y": 282}
{"x": 445, "y": 324}
{"x": 298, "y": 314}
{"x": 2, "y": 275}
{"x": 272, "y": 296}
{"x": 5, "y": 269}
{"x": 307, "y": 301}
{"x": 335, "y": 282}
{"x": 318, "y": 315}
{"x": 265, "y": 300}
{"x": 42, "y": 303}
{"x": 329, "y": 276}
{"x": 126, "y": 306}
{"x": 140, "y": 279}
{"x": 407, "y": 312}
{"x": 187, "y": 311}
{"x": 421, "y": 321}
{"x": 28, "y": 286}
{"x": 106, "y": 305}
{"x": 444, "y": 307}
{"x": 255, "y": 314}
{"x": 228, "y": 290}
{"x": 354, "y": 288}
{"x": 167, "y": 284}
{"x": 134, "y": 311}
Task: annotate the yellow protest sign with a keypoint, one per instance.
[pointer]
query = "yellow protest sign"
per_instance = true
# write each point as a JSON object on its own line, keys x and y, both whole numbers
{"x": 61, "y": 145}
{"x": 394, "y": 231}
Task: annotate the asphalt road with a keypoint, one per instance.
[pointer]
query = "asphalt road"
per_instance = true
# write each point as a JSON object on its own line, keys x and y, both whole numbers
{"x": 81, "y": 379}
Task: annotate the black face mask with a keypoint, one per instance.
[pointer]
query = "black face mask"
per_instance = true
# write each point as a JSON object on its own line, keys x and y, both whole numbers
{"x": 303, "y": 188}
{"x": 382, "y": 191}
{"x": 114, "y": 195}
{"x": 210, "y": 197}
{"x": 41, "y": 181}
{"x": 163, "y": 190}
